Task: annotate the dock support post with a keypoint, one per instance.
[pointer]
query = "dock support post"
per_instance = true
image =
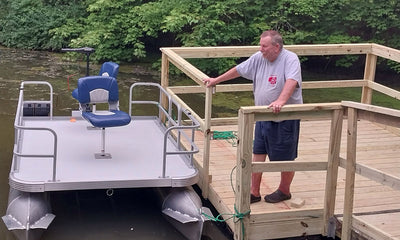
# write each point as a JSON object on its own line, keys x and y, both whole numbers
{"x": 369, "y": 75}
{"x": 332, "y": 170}
{"x": 243, "y": 173}
{"x": 350, "y": 173}
{"x": 207, "y": 139}
{"x": 164, "y": 83}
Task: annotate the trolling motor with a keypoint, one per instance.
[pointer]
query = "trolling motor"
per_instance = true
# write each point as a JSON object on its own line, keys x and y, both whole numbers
{"x": 85, "y": 50}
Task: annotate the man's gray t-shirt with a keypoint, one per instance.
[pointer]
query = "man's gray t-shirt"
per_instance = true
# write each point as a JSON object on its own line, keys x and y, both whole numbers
{"x": 270, "y": 77}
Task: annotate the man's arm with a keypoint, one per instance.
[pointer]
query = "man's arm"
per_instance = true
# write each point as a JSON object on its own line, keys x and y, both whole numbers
{"x": 230, "y": 74}
{"x": 288, "y": 89}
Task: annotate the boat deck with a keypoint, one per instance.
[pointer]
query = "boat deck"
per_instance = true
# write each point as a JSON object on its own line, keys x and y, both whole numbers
{"x": 136, "y": 161}
{"x": 374, "y": 203}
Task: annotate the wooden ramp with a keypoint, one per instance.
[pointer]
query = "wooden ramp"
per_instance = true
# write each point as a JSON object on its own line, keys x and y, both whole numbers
{"x": 374, "y": 203}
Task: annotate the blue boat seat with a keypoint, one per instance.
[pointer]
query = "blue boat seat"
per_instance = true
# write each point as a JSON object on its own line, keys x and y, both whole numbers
{"x": 107, "y": 69}
{"x": 101, "y": 89}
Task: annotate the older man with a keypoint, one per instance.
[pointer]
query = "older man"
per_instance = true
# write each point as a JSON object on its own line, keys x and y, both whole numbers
{"x": 276, "y": 76}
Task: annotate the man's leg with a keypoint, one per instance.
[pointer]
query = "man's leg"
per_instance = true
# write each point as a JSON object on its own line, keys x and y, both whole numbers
{"x": 283, "y": 150}
{"x": 283, "y": 192}
{"x": 256, "y": 177}
{"x": 286, "y": 180}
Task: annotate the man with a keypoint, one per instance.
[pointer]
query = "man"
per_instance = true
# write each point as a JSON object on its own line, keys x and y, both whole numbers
{"x": 276, "y": 76}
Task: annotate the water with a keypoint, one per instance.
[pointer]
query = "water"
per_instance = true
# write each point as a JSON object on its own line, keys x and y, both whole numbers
{"x": 87, "y": 215}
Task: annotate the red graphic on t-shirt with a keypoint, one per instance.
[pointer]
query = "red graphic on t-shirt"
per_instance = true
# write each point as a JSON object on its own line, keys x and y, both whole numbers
{"x": 272, "y": 79}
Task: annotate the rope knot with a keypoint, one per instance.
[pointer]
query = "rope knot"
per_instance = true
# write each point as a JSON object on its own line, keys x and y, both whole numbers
{"x": 240, "y": 215}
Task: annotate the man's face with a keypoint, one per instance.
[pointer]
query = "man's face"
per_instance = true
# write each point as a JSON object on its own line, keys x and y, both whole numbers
{"x": 269, "y": 50}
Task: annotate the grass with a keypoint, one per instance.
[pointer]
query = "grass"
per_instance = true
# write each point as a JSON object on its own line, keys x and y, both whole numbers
{"x": 228, "y": 104}
{"x": 347, "y": 94}
{"x": 331, "y": 95}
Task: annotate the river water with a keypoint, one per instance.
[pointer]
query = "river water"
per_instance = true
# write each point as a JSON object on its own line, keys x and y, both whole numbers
{"x": 85, "y": 215}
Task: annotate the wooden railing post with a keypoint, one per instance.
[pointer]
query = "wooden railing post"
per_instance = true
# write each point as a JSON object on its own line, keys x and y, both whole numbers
{"x": 243, "y": 173}
{"x": 350, "y": 173}
{"x": 164, "y": 83}
{"x": 369, "y": 75}
{"x": 207, "y": 139}
{"x": 164, "y": 71}
{"x": 332, "y": 171}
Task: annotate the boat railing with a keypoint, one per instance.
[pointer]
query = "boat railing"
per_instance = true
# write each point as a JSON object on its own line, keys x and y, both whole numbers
{"x": 179, "y": 124}
{"x": 20, "y": 128}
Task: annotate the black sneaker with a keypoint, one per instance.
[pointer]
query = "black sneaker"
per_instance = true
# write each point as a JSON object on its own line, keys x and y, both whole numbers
{"x": 254, "y": 199}
{"x": 277, "y": 196}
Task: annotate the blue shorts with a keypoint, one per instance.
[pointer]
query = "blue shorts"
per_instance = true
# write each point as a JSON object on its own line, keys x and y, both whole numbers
{"x": 277, "y": 139}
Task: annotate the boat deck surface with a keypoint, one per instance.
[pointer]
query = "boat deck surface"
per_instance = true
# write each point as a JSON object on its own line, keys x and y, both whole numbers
{"x": 136, "y": 150}
{"x": 378, "y": 205}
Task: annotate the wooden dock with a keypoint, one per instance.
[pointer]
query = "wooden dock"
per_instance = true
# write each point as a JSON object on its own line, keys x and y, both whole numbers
{"x": 374, "y": 203}
{"x": 347, "y": 172}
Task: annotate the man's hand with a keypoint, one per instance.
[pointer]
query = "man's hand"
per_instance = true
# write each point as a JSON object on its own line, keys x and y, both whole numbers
{"x": 230, "y": 74}
{"x": 276, "y": 106}
{"x": 210, "y": 82}
{"x": 287, "y": 91}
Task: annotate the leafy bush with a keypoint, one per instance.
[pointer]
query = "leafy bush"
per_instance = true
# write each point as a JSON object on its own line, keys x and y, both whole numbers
{"x": 125, "y": 30}
{"x": 28, "y": 23}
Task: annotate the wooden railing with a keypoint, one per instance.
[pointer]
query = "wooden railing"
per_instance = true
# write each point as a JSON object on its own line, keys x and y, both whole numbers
{"x": 333, "y": 112}
{"x": 355, "y": 112}
{"x": 247, "y": 116}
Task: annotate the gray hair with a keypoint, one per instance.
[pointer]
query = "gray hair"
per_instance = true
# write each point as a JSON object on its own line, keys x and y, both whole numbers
{"x": 275, "y": 36}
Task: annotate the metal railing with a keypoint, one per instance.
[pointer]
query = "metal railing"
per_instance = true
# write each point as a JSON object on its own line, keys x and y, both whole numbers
{"x": 20, "y": 128}
{"x": 171, "y": 124}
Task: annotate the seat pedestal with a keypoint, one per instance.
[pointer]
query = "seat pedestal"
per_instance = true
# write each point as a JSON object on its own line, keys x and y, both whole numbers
{"x": 103, "y": 154}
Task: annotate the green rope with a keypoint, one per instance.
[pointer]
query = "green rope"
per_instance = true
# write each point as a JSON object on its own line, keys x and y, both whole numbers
{"x": 233, "y": 188}
{"x": 237, "y": 216}
{"x": 230, "y": 136}
{"x": 224, "y": 134}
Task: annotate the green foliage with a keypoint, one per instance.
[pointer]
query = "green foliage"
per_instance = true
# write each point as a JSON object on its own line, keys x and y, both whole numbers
{"x": 27, "y": 23}
{"x": 105, "y": 30}
{"x": 125, "y": 30}
{"x": 206, "y": 23}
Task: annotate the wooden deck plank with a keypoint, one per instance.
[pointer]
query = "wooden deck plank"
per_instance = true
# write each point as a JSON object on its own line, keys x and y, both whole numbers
{"x": 377, "y": 147}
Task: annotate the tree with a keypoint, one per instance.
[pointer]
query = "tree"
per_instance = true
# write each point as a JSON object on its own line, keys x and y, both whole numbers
{"x": 28, "y": 24}
{"x": 125, "y": 30}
